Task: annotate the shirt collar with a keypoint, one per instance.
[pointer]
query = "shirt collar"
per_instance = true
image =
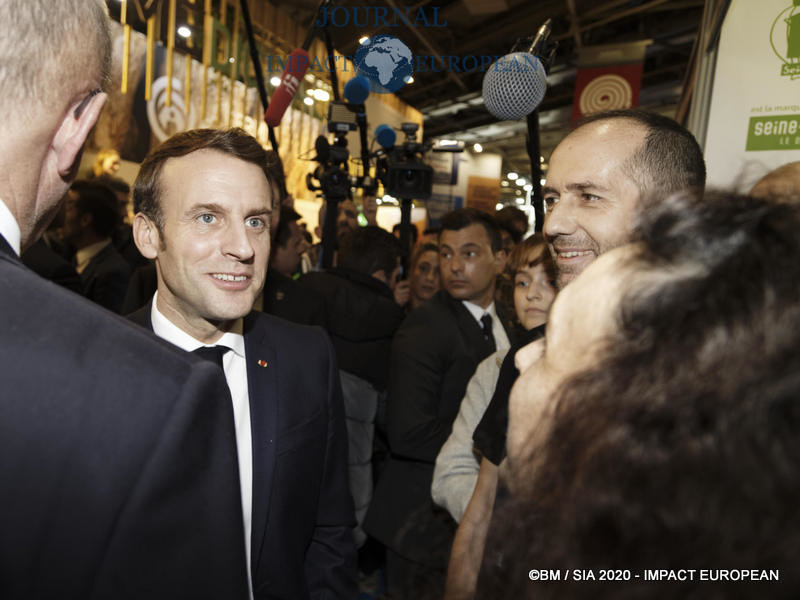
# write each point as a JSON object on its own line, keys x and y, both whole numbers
{"x": 87, "y": 253}
{"x": 9, "y": 228}
{"x": 164, "y": 328}
{"x": 477, "y": 312}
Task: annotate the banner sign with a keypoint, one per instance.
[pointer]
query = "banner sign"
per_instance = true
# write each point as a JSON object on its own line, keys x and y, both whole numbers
{"x": 754, "y": 117}
{"x": 606, "y": 88}
{"x": 609, "y": 78}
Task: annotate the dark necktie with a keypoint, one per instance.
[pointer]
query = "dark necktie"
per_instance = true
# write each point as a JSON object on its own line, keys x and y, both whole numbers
{"x": 212, "y": 353}
{"x": 486, "y": 322}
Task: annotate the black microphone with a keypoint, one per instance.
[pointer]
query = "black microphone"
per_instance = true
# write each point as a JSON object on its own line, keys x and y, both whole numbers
{"x": 515, "y": 84}
{"x": 323, "y": 149}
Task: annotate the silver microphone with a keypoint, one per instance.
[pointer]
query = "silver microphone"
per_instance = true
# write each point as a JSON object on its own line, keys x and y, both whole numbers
{"x": 515, "y": 84}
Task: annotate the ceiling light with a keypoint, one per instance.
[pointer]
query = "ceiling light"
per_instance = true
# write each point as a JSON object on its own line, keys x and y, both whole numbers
{"x": 409, "y": 79}
{"x": 184, "y": 31}
{"x": 310, "y": 92}
{"x": 321, "y": 95}
{"x": 504, "y": 183}
{"x": 512, "y": 176}
{"x": 528, "y": 187}
{"x": 276, "y": 81}
{"x": 477, "y": 147}
{"x": 521, "y": 181}
{"x": 498, "y": 206}
{"x": 363, "y": 40}
{"x": 308, "y": 100}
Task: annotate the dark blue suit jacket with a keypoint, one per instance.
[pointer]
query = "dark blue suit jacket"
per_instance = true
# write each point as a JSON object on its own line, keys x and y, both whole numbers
{"x": 118, "y": 470}
{"x": 434, "y": 354}
{"x": 302, "y": 525}
{"x": 105, "y": 278}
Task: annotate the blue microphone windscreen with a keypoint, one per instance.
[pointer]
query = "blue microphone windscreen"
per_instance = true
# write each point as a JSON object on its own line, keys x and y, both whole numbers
{"x": 356, "y": 90}
{"x": 385, "y": 136}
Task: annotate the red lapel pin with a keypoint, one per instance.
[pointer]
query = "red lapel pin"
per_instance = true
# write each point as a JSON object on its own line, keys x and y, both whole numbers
{"x": 262, "y": 363}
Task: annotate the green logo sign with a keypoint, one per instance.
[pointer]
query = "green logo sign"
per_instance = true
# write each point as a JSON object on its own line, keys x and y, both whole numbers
{"x": 774, "y": 133}
{"x": 787, "y": 46}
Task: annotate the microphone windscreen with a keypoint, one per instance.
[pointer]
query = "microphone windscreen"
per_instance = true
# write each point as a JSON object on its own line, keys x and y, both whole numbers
{"x": 356, "y": 90}
{"x": 385, "y": 136}
{"x": 323, "y": 148}
{"x": 296, "y": 66}
{"x": 514, "y": 86}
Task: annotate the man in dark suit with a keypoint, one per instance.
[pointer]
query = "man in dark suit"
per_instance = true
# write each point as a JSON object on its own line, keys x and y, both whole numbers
{"x": 283, "y": 296}
{"x": 434, "y": 354}
{"x": 90, "y": 218}
{"x": 118, "y": 472}
{"x": 203, "y": 204}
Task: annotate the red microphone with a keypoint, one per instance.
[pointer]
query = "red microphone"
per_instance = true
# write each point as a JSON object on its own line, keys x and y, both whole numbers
{"x": 296, "y": 66}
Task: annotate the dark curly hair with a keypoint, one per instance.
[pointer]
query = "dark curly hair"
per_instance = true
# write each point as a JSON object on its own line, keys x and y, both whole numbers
{"x": 681, "y": 448}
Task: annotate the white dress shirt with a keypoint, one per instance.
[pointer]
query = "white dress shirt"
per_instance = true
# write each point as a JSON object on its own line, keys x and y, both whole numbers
{"x": 501, "y": 341}
{"x": 235, "y": 366}
{"x": 9, "y": 228}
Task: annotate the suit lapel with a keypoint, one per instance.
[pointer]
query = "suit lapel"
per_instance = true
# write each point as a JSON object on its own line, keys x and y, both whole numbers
{"x": 6, "y": 249}
{"x": 143, "y": 316}
{"x": 476, "y": 343}
{"x": 262, "y": 388}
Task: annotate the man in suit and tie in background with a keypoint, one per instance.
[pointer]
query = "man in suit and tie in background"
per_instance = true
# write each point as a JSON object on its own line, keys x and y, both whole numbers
{"x": 90, "y": 219}
{"x": 434, "y": 354}
{"x": 118, "y": 471}
{"x": 203, "y": 205}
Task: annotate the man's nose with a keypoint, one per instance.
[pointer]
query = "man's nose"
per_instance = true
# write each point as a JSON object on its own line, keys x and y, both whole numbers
{"x": 236, "y": 242}
{"x": 560, "y": 219}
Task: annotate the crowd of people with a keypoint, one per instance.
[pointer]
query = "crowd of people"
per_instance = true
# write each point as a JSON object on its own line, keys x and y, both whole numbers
{"x": 190, "y": 409}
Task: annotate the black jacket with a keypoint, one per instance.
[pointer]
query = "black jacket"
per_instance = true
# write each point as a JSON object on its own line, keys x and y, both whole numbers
{"x": 285, "y": 298}
{"x": 434, "y": 355}
{"x": 362, "y": 319}
{"x": 118, "y": 465}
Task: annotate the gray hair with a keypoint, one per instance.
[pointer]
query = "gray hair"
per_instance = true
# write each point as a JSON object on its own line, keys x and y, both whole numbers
{"x": 48, "y": 48}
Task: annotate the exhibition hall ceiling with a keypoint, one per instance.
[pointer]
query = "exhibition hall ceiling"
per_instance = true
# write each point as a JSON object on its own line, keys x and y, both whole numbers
{"x": 450, "y": 98}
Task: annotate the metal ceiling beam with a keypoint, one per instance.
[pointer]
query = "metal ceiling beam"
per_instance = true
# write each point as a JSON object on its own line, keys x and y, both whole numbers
{"x": 574, "y": 24}
{"x": 616, "y": 17}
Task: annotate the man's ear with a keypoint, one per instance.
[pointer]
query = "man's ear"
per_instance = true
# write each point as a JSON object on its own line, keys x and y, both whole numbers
{"x": 146, "y": 236}
{"x": 72, "y": 133}
{"x": 85, "y": 220}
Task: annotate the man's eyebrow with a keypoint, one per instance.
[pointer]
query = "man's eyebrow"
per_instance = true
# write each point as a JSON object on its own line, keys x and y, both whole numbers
{"x": 211, "y": 206}
{"x": 582, "y": 186}
{"x": 549, "y": 190}
{"x": 214, "y": 207}
{"x": 260, "y": 211}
